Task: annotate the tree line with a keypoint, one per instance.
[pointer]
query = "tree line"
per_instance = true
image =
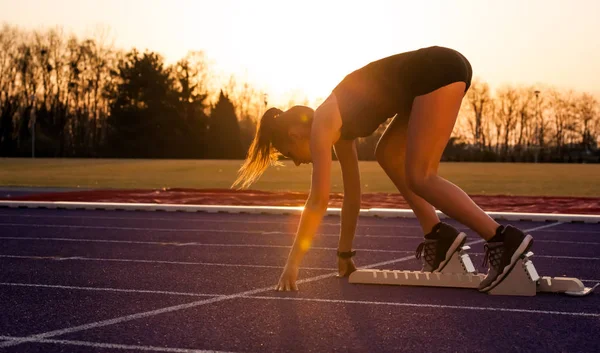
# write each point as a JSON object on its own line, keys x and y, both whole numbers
{"x": 61, "y": 96}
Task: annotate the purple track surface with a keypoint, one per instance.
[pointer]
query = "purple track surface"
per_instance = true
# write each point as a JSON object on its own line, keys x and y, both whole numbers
{"x": 103, "y": 281}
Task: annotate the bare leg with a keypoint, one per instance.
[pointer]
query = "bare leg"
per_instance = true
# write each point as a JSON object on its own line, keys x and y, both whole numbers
{"x": 431, "y": 122}
{"x": 391, "y": 155}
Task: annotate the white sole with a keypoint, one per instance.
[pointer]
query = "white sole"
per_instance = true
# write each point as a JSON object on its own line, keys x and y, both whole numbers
{"x": 460, "y": 239}
{"x": 513, "y": 261}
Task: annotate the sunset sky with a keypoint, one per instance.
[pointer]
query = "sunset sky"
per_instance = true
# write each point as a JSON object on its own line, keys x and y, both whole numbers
{"x": 306, "y": 47}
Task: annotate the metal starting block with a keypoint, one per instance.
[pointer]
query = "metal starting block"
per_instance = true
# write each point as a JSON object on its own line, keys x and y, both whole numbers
{"x": 523, "y": 280}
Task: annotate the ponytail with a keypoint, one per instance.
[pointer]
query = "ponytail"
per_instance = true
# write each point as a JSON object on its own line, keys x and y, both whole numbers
{"x": 261, "y": 153}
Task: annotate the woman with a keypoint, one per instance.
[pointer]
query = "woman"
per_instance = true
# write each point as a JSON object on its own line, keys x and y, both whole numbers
{"x": 422, "y": 90}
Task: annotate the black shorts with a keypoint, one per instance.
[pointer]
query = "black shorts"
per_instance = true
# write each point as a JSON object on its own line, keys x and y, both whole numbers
{"x": 436, "y": 67}
{"x": 371, "y": 95}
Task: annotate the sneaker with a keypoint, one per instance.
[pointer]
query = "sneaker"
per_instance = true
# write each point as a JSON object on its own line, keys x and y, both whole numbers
{"x": 439, "y": 246}
{"x": 502, "y": 253}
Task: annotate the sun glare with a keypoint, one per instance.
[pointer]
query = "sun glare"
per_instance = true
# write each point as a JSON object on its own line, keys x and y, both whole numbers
{"x": 302, "y": 51}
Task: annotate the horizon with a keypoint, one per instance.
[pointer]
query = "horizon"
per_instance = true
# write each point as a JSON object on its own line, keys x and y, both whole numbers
{"x": 292, "y": 51}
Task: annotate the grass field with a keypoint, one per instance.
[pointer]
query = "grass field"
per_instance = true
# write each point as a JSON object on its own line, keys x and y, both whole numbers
{"x": 474, "y": 178}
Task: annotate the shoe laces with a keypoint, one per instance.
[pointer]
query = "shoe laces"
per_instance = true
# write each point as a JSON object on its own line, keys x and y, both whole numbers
{"x": 493, "y": 254}
{"x": 427, "y": 249}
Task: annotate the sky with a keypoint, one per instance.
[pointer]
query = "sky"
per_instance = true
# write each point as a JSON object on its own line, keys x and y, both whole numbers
{"x": 306, "y": 47}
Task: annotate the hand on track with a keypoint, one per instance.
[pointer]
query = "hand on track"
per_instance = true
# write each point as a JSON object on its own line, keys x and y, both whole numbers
{"x": 287, "y": 281}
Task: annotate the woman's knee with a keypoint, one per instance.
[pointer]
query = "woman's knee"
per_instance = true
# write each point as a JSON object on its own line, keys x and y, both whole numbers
{"x": 419, "y": 179}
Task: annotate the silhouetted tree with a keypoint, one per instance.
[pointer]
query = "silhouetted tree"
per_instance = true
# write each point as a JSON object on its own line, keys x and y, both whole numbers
{"x": 91, "y": 101}
{"x": 478, "y": 98}
{"x": 224, "y": 131}
{"x": 192, "y": 108}
{"x": 143, "y": 119}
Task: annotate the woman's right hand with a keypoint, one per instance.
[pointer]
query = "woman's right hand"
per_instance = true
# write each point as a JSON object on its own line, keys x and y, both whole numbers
{"x": 287, "y": 281}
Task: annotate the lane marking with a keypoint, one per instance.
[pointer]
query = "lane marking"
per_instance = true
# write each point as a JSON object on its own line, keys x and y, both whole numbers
{"x": 84, "y": 240}
{"x": 104, "y": 289}
{"x": 57, "y": 258}
{"x": 559, "y": 257}
{"x": 574, "y": 231}
{"x": 433, "y": 306}
{"x": 196, "y": 220}
{"x": 234, "y": 265}
{"x": 316, "y": 300}
{"x": 566, "y": 242}
{"x": 201, "y": 231}
{"x": 151, "y": 313}
{"x": 116, "y": 346}
{"x": 193, "y": 230}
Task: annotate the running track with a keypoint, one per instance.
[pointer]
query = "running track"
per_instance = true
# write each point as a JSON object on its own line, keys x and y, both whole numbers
{"x": 113, "y": 281}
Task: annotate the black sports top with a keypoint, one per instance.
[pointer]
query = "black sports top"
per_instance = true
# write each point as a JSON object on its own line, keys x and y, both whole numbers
{"x": 376, "y": 92}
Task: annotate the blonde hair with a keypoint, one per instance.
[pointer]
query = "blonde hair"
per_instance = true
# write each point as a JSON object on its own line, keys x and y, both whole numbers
{"x": 261, "y": 153}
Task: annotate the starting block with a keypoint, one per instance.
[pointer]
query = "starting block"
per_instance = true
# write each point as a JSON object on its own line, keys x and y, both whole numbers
{"x": 523, "y": 280}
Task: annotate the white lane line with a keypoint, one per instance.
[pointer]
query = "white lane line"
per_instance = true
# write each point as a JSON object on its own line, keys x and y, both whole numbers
{"x": 543, "y": 227}
{"x": 568, "y": 257}
{"x": 141, "y": 315}
{"x": 104, "y": 289}
{"x": 58, "y": 258}
{"x": 151, "y": 313}
{"x": 557, "y": 257}
{"x": 537, "y": 240}
{"x": 201, "y": 231}
{"x": 197, "y": 220}
{"x": 198, "y": 231}
{"x": 590, "y": 280}
{"x": 574, "y": 231}
{"x": 144, "y": 229}
{"x": 218, "y": 264}
{"x": 316, "y": 300}
{"x": 83, "y": 240}
{"x": 103, "y": 323}
{"x": 116, "y": 346}
{"x": 432, "y": 306}
{"x": 266, "y": 246}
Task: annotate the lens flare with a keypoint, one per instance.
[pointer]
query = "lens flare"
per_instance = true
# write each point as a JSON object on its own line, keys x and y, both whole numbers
{"x": 305, "y": 245}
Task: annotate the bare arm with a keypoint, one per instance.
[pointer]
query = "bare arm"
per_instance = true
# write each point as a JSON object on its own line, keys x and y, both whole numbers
{"x": 348, "y": 158}
{"x": 321, "y": 140}
{"x": 324, "y": 131}
{"x": 316, "y": 205}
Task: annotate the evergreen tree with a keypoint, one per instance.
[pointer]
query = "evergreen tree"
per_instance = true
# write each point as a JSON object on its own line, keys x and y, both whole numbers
{"x": 224, "y": 131}
{"x": 191, "y": 107}
{"x": 144, "y": 120}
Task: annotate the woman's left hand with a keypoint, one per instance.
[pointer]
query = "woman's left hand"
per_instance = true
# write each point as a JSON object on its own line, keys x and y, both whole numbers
{"x": 287, "y": 281}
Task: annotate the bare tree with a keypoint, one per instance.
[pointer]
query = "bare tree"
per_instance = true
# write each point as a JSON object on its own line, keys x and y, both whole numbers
{"x": 507, "y": 114}
{"x": 588, "y": 118}
{"x": 9, "y": 105}
{"x": 478, "y": 98}
{"x": 525, "y": 113}
{"x": 100, "y": 58}
{"x": 562, "y": 107}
